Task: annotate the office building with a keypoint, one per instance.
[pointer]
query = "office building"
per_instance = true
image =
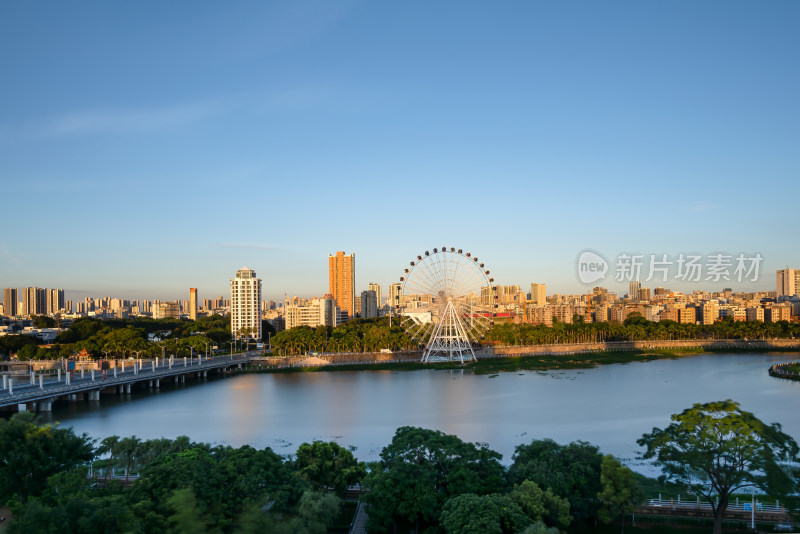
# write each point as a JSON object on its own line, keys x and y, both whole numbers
{"x": 369, "y": 304}
{"x": 788, "y": 282}
{"x": 193, "y": 303}
{"x": 55, "y": 301}
{"x": 166, "y": 310}
{"x": 538, "y": 295}
{"x": 246, "y": 305}
{"x": 10, "y": 301}
{"x": 316, "y": 312}
{"x": 34, "y": 301}
{"x": 377, "y": 289}
{"x": 633, "y": 290}
{"x": 342, "y": 281}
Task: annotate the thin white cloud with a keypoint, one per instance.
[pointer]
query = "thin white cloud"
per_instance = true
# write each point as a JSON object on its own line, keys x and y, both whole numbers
{"x": 114, "y": 121}
{"x": 248, "y": 246}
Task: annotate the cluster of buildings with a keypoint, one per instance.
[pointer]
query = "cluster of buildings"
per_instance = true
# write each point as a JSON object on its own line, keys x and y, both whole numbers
{"x": 343, "y": 302}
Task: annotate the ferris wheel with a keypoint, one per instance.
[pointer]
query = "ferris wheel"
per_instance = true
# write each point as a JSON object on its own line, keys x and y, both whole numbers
{"x": 448, "y": 302}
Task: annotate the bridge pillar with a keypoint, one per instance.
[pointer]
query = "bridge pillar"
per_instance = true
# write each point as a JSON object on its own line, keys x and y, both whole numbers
{"x": 183, "y": 378}
{"x": 94, "y": 395}
{"x": 205, "y": 374}
{"x": 128, "y": 389}
{"x": 59, "y": 375}
{"x": 5, "y": 381}
{"x": 150, "y": 384}
{"x": 176, "y": 379}
{"x": 41, "y": 381}
{"x": 46, "y": 406}
{"x": 158, "y": 382}
{"x": 92, "y": 375}
{"x": 22, "y": 407}
{"x": 72, "y": 397}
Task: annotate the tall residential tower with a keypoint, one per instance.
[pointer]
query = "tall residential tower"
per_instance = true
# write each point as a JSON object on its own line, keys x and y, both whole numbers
{"x": 342, "y": 281}
{"x": 246, "y": 305}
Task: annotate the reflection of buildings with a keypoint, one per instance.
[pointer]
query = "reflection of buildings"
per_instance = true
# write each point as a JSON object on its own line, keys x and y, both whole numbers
{"x": 246, "y": 305}
{"x": 342, "y": 280}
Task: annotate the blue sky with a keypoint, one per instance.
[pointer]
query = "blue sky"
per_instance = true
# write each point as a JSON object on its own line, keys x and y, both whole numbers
{"x": 147, "y": 147}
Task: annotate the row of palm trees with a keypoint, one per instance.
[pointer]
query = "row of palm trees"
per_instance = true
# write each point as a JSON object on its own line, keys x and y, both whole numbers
{"x": 353, "y": 336}
{"x": 131, "y": 453}
{"x": 638, "y": 329}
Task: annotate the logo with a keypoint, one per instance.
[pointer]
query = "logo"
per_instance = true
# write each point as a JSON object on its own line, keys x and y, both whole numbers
{"x": 591, "y": 267}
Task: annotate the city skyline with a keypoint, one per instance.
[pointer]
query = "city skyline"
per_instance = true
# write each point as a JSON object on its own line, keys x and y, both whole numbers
{"x": 526, "y": 135}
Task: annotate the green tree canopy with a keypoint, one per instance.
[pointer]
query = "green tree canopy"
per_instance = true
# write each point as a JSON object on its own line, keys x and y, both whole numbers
{"x": 328, "y": 465}
{"x": 30, "y": 453}
{"x": 716, "y": 448}
{"x": 570, "y": 471}
{"x": 482, "y": 514}
{"x": 420, "y": 470}
{"x": 541, "y": 506}
{"x": 620, "y": 493}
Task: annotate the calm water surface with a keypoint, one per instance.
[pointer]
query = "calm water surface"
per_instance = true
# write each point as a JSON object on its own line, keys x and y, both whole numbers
{"x": 610, "y": 406}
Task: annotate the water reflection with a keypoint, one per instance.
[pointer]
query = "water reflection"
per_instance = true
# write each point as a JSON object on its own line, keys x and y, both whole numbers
{"x": 609, "y": 406}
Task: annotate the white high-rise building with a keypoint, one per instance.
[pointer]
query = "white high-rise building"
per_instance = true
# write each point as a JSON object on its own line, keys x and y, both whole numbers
{"x": 788, "y": 282}
{"x": 246, "y": 305}
{"x": 377, "y": 289}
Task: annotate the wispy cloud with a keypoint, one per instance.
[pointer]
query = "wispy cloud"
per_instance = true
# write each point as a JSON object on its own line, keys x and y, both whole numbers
{"x": 115, "y": 121}
{"x": 248, "y": 246}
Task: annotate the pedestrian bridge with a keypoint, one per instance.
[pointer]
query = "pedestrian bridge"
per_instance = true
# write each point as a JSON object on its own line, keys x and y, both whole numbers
{"x": 32, "y": 391}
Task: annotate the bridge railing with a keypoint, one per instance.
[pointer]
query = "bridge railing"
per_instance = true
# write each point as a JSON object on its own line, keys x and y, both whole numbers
{"x": 701, "y": 504}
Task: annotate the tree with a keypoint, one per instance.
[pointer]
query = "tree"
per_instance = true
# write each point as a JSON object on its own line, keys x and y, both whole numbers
{"x": 620, "y": 494}
{"x": 43, "y": 321}
{"x": 570, "y": 471}
{"x": 482, "y": 514}
{"x": 328, "y": 465}
{"x": 541, "y": 506}
{"x": 717, "y": 448}
{"x": 30, "y": 453}
{"x": 420, "y": 470}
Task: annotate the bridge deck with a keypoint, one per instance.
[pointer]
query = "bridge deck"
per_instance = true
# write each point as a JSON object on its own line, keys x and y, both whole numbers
{"x": 24, "y": 393}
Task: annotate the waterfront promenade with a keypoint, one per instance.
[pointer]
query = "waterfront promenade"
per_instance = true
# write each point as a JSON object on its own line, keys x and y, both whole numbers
{"x": 37, "y": 391}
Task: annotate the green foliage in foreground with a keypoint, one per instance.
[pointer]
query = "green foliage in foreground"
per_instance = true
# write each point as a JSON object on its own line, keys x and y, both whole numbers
{"x": 425, "y": 480}
{"x": 715, "y": 449}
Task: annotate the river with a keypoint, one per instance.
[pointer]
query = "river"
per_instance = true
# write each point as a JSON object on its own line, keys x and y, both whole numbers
{"x": 610, "y": 406}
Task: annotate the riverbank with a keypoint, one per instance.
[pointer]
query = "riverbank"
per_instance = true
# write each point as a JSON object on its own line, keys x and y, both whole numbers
{"x": 789, "y": 370}
{"x": 494, "y": 363}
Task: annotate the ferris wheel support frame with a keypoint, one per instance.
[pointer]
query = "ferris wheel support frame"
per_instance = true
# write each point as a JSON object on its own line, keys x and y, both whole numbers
{"x": 453, "y": 344}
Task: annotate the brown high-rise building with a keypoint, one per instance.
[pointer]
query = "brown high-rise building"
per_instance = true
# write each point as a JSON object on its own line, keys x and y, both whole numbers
{"x": 193, "y": 303}
{"x": 10, "y": 301}
{"x": 342, "y": 281}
